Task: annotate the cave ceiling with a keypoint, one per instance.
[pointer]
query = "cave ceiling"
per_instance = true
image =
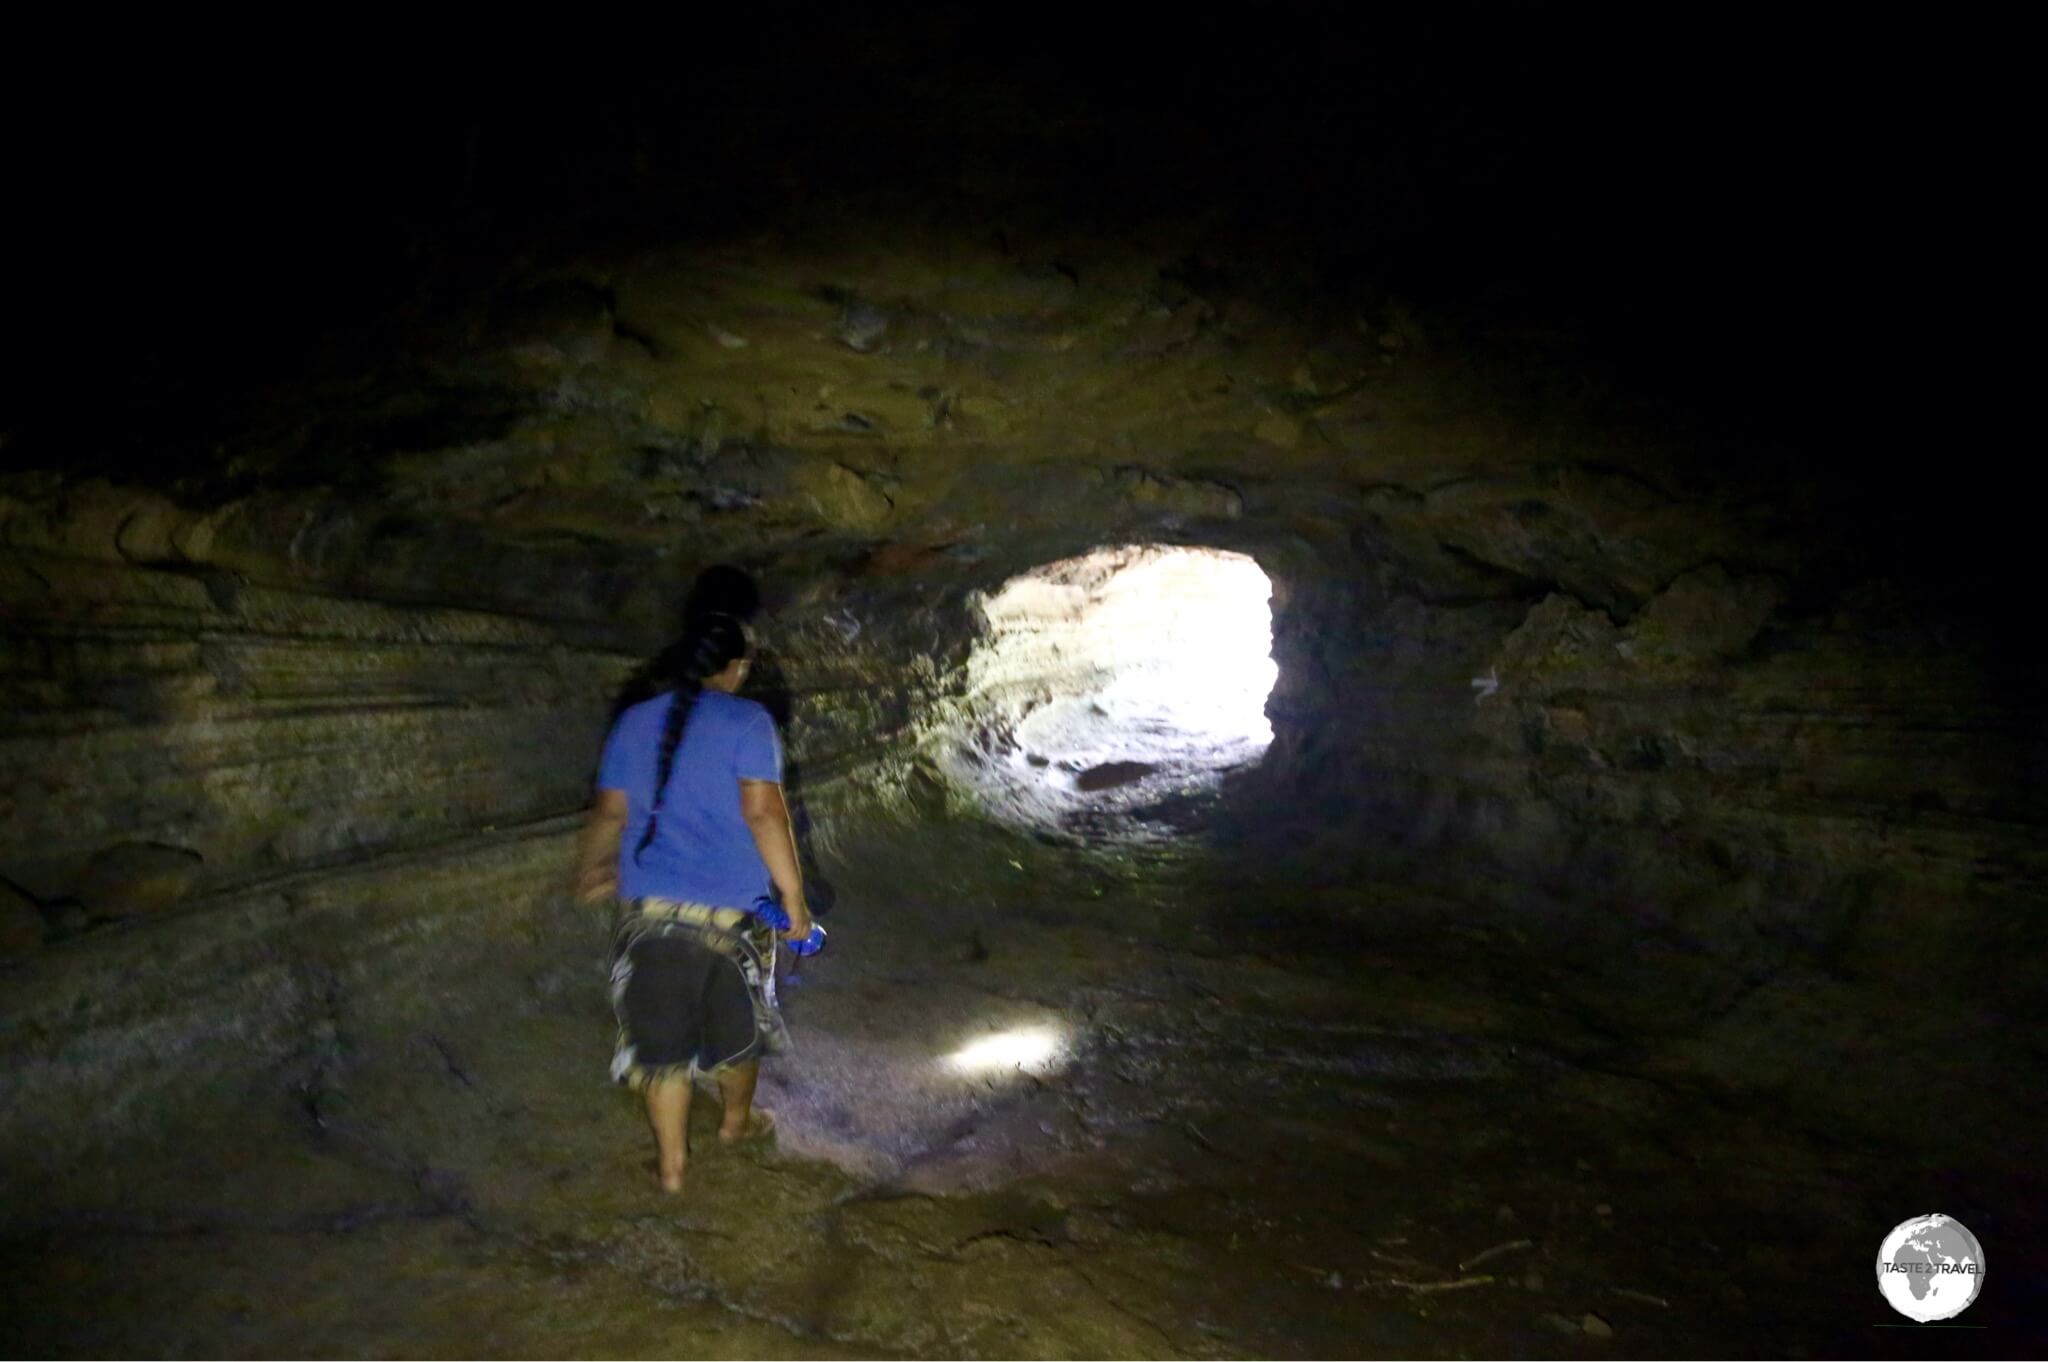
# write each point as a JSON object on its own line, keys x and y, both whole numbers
{"x": 1480, "y": 322}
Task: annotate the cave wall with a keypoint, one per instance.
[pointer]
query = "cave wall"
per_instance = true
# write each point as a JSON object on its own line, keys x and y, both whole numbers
{"x": 195, "y": 721}
{"x": 248, "y": 799}
{"x": 1737, "y": 819}
{"x": 283, "y": 775}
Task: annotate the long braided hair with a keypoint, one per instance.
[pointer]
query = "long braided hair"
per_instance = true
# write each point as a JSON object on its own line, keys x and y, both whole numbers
{"x": 711, "y": 642}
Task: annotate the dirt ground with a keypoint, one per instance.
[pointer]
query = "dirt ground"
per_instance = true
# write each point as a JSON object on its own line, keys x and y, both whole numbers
{"x": 1250, "y": 1144}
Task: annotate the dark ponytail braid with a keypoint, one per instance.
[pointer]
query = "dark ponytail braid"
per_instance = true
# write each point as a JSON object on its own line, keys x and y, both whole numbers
{"x": 710, "y": 644}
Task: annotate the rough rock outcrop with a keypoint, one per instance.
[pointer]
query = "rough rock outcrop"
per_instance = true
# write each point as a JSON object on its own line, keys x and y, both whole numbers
{"x": 256, "y": 729}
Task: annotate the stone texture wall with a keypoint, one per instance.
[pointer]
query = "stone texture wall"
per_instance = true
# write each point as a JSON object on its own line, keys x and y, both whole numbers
{"x": 1701, "y": 802}
{"x": 246, "y": 799}
{"x": 252, "y": 730}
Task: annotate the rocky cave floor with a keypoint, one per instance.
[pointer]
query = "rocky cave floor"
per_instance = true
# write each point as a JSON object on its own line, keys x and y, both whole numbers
{"x": 1244, "y": 1153}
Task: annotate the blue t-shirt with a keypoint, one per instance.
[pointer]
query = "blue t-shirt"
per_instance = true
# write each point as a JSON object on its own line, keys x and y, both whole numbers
{"x": 702, "y": 850}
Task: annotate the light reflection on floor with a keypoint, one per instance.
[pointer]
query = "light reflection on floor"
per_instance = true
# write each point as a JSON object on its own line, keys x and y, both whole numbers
{"x": 1031, "y": 1049}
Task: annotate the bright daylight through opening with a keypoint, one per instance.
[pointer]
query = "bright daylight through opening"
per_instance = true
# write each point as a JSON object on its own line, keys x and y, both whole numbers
{"x": 1111, "y": 691}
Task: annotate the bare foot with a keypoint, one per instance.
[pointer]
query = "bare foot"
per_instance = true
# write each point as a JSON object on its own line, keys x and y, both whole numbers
{"x": 759, "y": 1126}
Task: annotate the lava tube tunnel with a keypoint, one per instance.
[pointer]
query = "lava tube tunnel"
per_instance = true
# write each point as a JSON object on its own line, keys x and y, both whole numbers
{"x": 1397, "y": 742}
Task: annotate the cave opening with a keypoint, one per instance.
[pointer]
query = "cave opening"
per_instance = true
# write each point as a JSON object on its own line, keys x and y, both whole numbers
{"x": 1109, "y": 694}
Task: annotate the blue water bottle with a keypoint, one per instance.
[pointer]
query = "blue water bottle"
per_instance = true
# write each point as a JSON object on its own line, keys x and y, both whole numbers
{"x": 770, "y": 912}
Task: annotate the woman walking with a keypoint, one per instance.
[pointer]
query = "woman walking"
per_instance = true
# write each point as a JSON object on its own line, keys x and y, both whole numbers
{"x": 688, "y": 832}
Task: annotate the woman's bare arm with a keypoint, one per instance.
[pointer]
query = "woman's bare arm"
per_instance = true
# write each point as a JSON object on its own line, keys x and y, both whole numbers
{"x": 767, "y": 815}
{"x": 597, "y": 848}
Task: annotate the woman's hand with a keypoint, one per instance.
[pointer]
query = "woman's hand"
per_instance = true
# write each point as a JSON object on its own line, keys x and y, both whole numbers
{"x": 597, "y": 849}
{"x": 597, "y": 884}
{"x": 767, "y": 815}
{"x": 799, "y": 921}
